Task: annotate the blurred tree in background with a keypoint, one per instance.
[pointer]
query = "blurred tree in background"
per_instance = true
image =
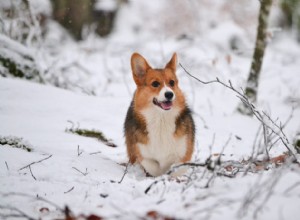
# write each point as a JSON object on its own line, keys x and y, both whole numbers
{"x": 291, "y": 18}
{"x": 75, "y": 14}
{"x": 258, "y": 55}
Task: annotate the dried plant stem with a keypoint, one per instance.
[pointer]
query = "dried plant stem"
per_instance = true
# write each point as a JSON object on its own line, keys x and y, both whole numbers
{"x": 35, "y": 162}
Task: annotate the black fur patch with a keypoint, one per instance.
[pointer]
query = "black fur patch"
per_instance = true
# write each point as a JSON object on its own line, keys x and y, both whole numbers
{"x": 185, "y": 120}
{"x": 132, "y": 123}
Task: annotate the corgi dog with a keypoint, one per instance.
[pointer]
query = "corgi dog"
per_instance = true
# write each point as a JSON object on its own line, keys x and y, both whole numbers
{"x": 159, "y": 128}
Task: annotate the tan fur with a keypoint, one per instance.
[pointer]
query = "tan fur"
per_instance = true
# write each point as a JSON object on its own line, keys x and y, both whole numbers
{"x": 136, "y": 128}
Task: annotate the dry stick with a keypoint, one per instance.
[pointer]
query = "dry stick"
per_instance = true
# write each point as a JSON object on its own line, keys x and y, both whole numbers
{"x": 69, "y": 190}
{"x": 31, "y": 173}
{"x": 251, "y": 159}
{"x": 6, "y": 166}
{"x": 78, "y": 152}
{"x": 153, "y": 184}
{"x": 125, "y": 172}
{"x": 98, "y": 152}
{"x": 266, "y": 141}
{"x": 272, "y": 136}
{"x": 35, "y": 162}
{"x": 72, "y": 124}
{"x": 218, "y": 164}
{"x": 256, "y": 113}
{"x": 86, "y": 173}
{"x": 189, "y": 164}
{"x": 189, "y": 181}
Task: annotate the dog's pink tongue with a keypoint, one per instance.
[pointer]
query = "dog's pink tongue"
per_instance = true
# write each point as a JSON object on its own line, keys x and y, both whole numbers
{"x": 166, "y": 105}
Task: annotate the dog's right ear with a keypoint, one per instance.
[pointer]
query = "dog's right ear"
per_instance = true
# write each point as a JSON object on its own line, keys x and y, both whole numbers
{"x": 139, "y": 68}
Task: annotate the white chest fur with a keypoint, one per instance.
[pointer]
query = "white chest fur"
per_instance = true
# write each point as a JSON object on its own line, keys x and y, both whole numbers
{"x": 163, "y": 148}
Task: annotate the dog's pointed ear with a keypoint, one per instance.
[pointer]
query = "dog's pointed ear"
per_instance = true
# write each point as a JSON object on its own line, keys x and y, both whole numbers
{"x": 139, "y": 68}
{"x": 172, "y": 63}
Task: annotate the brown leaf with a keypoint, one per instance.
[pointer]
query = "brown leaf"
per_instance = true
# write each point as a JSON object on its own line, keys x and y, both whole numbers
{"x": 155, "y": 215}
{"x": 279, "y": 159}
{"x": 93, "y": 217}
{"x": 44, "y": 209}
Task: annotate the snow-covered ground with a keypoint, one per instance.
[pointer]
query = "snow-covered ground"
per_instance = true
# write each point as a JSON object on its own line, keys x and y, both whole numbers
{"x": 86, "y": 175}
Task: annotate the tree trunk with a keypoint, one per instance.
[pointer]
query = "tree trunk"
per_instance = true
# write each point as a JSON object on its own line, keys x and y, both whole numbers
{"x": 260, "y": 45}
{"x": 73, "y": 14}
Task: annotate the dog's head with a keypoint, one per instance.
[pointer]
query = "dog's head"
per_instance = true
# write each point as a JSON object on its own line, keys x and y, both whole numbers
{"x": 156, "y": 87}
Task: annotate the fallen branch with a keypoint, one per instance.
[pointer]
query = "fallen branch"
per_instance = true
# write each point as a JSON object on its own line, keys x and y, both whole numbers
{"x": 153, "y": 184}
{"x": 97, "y": 152}
{"x": 6, "y": 166}
{"x": 125, "y": 172}
{"x": 78, "y": 151}
{"x": 69, "y": 190}
{"x": 35, "y": 162}
{"x": 84, "y": 174}
{"x": 31, "y": 173}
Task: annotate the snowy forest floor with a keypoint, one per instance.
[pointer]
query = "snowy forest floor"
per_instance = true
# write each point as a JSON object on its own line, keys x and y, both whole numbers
{"x": 45, "y": 167}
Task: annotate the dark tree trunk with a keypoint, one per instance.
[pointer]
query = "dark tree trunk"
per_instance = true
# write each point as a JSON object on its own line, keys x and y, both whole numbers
{"x": 73, "y": 14}
{"x": 105, "y": 21}
{"x": 260, "y": 45}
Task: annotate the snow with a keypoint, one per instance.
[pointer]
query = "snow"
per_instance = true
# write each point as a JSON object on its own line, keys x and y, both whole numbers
{"x": 40, "y": 114}
{"x": 106, "y": 5}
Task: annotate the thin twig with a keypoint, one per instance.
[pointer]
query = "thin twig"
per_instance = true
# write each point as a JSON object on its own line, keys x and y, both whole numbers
{"x": 31, "y": 173}
{"x": 6, "y": 166}
{"x": 153, "y": 184}
{"x": 84, "y": 174}
{"x": 97, "y": 152}
{"x": 69, "y": 190}
{"x": 78, "y": 151}
{"x": 35, "y": 162}
{"x": 189, "y": 164}
{"x": 125, "y": 172}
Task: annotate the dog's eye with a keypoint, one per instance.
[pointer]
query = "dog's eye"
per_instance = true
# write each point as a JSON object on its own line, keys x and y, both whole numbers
{"x": 172, "y": 83}
{"x": 155, "y": 84}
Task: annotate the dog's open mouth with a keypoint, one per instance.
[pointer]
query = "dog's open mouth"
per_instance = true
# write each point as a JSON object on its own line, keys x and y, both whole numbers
{"x": 165, "y": 105}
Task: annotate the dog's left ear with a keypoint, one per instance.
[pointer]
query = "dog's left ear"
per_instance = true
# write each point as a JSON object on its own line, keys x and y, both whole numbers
{"x": 172, "y": 63}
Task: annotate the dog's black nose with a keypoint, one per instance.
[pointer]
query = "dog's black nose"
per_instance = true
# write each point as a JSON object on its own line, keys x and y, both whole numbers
{"x": 169, "y": 95}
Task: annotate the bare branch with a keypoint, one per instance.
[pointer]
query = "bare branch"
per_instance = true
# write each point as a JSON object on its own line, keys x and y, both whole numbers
{"x": 78, "y": 151}
{"x": 84, "y": 174}
{"x": 97, "y": 152}
{"x": 267, "y": 124}
{"x": 125, "y": 172}
{"x": 153, "y": 184}
{"x": 6, "y": 166}
{"x": 69, "y": 190}
{"x": 31, "y": 173}
{"x": 35, "y": 162}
